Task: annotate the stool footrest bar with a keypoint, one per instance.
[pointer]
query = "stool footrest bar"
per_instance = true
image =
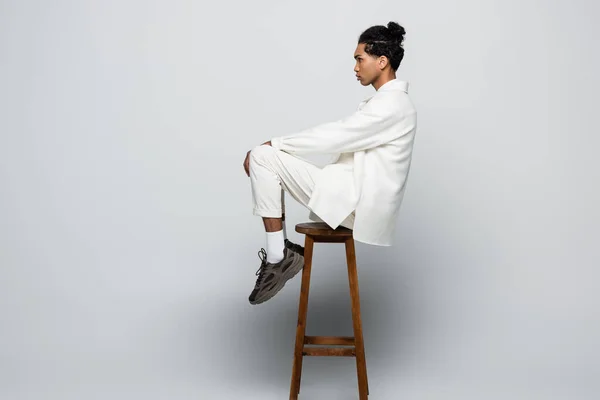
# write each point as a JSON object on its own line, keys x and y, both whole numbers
{"x": 339, "y": 340}
{"x": 332, "y": 351}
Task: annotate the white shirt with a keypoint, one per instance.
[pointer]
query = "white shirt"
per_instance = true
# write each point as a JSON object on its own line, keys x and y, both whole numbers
{"x": 376, "y": 143}
{"x": 346, "y": 159}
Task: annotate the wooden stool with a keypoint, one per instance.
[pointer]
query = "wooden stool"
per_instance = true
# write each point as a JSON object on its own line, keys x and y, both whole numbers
{"x": 321, "y": 232}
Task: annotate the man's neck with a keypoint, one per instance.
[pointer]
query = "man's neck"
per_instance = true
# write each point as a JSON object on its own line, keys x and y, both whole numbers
{"x": 382, "y": 80}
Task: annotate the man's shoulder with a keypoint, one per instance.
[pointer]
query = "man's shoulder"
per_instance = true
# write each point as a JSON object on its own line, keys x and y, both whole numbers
{"x": 387, "y": 101}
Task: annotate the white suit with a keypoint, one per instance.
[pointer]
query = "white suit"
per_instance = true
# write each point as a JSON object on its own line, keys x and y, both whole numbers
{"x": 379, "y": 137}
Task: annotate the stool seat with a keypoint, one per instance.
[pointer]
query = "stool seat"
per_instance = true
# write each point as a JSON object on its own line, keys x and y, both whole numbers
{"x": 320, "y": 229}
{"x": 320, "y": 232}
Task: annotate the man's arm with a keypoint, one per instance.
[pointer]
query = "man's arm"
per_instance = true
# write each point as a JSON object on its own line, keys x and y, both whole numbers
{"x": 365, "y": 129}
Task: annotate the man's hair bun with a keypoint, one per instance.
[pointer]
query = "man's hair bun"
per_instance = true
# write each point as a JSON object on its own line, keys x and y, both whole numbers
{"x": 396, "y": 31}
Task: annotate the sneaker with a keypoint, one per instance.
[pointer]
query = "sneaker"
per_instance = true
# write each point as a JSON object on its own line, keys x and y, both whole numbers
{"x": 272, "y": 277}
{"x": 294, "y": 247}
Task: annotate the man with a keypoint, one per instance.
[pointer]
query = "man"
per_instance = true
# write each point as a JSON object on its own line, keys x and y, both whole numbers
{"x": 362, "y": 187}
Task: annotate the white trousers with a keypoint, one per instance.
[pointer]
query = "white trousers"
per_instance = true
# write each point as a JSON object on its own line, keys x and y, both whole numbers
{"x": 274, "y": 172}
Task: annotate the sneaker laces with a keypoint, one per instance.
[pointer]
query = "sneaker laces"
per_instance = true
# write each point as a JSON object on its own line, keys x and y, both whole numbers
{"x": 262, "y": 254}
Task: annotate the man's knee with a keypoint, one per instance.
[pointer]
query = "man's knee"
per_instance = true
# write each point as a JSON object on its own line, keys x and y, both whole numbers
{"x": 264, "y": 150}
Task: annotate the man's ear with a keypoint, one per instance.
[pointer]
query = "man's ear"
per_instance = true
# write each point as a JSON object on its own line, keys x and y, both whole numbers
{"x": 382, "y": 62}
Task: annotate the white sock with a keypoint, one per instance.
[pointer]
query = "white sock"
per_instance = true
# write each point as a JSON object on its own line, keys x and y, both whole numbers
{"x": 275, "y": 246}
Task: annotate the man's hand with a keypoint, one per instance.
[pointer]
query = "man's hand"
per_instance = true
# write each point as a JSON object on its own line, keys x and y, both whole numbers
{"x": 247, "y": 164}
{"x": 247, "y": 160}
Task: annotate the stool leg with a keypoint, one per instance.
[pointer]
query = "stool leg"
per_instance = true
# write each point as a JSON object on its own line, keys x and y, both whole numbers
{"x": 361, "y": 365}
{"x": 302, "y": 311}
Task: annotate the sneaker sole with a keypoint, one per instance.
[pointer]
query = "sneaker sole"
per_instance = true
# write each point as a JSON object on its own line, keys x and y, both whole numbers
{"x": 289, "y": 274}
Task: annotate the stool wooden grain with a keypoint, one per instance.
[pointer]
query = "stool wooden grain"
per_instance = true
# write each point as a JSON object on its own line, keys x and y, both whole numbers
{"x": 319, "y": 232}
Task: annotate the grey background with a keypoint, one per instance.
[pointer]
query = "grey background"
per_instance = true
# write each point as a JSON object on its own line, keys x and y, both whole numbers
{"x": 128, "y": 245}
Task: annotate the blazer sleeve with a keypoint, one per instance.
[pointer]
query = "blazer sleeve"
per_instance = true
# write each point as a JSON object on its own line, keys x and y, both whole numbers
{"x": 371, "y": 126}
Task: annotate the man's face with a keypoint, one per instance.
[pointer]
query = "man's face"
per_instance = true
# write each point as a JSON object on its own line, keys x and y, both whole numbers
{"x": 367, "y": 67}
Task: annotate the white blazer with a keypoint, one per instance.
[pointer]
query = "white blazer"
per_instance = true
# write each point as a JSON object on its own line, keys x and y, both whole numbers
{"x": 381, "y": 134}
